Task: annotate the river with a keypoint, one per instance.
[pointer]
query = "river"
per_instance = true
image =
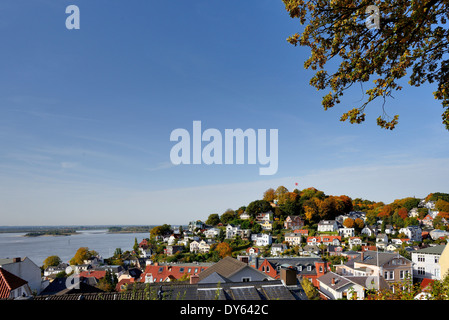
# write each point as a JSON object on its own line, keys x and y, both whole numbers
{"x": 39, "y": 248}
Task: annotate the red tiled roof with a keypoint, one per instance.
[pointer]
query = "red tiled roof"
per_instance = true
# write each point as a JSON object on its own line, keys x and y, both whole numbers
{"x": 9, "y": 282}
{"x": 426, "y": 282}
{"x": 172, "y": 272}
{"x": 96, "y": 274}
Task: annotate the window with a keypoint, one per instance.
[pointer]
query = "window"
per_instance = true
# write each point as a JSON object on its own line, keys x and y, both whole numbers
{"x": 268, "y": 269}
{"x": 190, "y": 270}
{"x": 246, "y": 279}
{"x": 421, "y": 258}
{"x": 263, "y": 268}
{"x": 309, "y": 268}
{"x": 321, "y": 269}
{"x": 436, "y": 259}
{"x": 160, "y": 269}
{"x": 181, "y": 269}
{"x": 421, "y": 270}
{"x": 196, "y": 270}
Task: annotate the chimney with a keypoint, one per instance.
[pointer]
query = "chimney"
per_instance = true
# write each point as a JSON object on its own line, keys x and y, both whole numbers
{"x": 362, "y": 256}
{"x": 288, "y": 276}
{"x": 333, "y": 281}
{"x": 16, "y": 260}
{"x": 194, "y": 278}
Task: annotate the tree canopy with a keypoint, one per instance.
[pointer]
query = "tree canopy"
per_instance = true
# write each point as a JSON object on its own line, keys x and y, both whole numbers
{"x": 409, "y": 36}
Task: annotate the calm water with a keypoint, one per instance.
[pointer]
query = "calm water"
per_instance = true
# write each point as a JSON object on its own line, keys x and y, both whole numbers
{"x": 39, "y": 248}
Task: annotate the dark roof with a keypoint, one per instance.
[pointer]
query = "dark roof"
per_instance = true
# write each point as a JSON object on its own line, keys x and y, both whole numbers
{"x": 256, "y": 290}
{"x": 59, "y": 287}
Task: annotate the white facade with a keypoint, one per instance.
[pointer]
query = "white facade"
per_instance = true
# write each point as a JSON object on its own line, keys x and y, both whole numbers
{"x": 426, "y": 263}
{"x": 414, "y": 233}
{"x": 25, "y": 269}
{"x": 346, "y": 232}
{"x": 327, "y": 226}
{"x": 261, "y": 239}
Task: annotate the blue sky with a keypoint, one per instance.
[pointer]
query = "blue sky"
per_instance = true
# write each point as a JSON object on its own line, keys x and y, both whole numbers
{"x": 86, "y": 115}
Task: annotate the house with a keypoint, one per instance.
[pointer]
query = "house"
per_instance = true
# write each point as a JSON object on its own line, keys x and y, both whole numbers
{"x": 414, "y": 233}
{"x": 381, "y": 240}
{"x": 400, "y": 242}
{"x": 413, "y": 213}
{"x": 54, "y": 270}
{"x": 172, "y": 250}
{"x": 63, "y": 286}
{"x": 194, "y": 225}
{"x": 194, "y": 246}
{"x": 308, "y": 267}
{"x": 427, "y": 221}
{"x": 334, "y": 250}
{"x": 145, "y": 252}
{"x": 369, "y": 231}
{"x": 278, "y": 248}
{"x": 229, "y": 269}
{"x": 333, "y": 286}
{"x": 12, "y": 286}
{"x": 426, "y": 263}
{"x": 266, "y": 225}
{"x": 354, "y": 241}
{"x": 233, "y": 231}
{"x": 327, "y": 226}
{"x": 266, "y": 216}
{"x": 24, "y": 269}
{"x": 293, "y": 239}
{"x": 392, "y": 247}
{"x": 327, "y": 240}
{"x": 293, "y": 222}
{"x": 391, "y": 266}
{"x": 94, "y": 261}
{"x": 252, "y": 251}
{"x": 203, "y": 247}
{"x": 245, "y": 216}
{"x": 212, "y": 233}
{"x": 261, "y": 239}
{"x": 437, "y": 234}
{"x": 96, "y": 274}
{"x": 346, "y": 232}
{"x": 169, "y": 272}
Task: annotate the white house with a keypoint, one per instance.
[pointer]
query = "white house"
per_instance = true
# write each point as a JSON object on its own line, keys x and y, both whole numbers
{"x": 24, "y": 269}
{"x": 414, "y": 233}
{"x": 327, "y": 226}
{"x": 354, "y": 241}
{"x": 370, "y": 231}
{"x": 212, "y": 232}
{"x": 194, "y": 246}
{"x": 278, "y": 248}
{"x": 266, "y": 216}
{"x": 245, "y": 216}
{"x": 261, "y": 239}
{"x": 426, "y": 262}
{"x": 346, "y": 232}
{"x": 293, "y": 239}
{"x": 334, "y": 286}
{"x": 381, "y": 240}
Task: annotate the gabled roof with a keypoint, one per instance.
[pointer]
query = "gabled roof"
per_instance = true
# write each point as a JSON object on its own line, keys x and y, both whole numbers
{"x": 9, "y": 282}
{"x": 226, "y": 267}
